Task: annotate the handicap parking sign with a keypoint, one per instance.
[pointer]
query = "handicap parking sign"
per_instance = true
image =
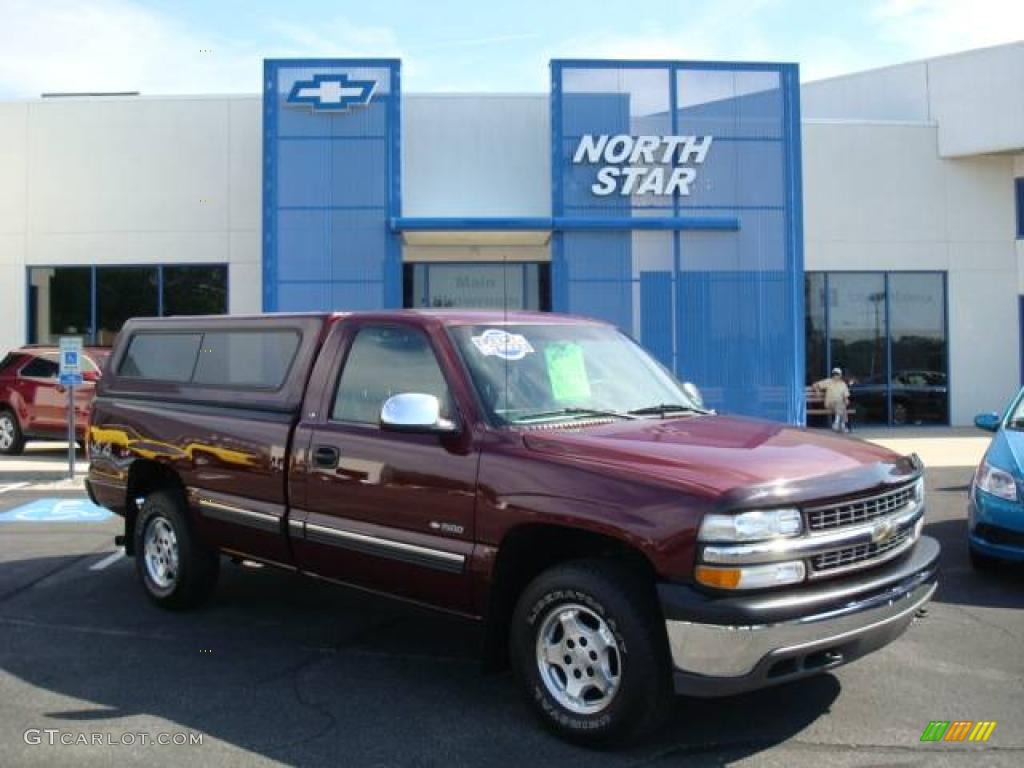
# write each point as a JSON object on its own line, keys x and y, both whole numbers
{"x": 56, "y": 511}
{"x": 70, "y": 355}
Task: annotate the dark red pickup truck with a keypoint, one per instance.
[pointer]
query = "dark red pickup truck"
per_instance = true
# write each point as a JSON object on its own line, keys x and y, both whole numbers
{"x": 539, "y": 473}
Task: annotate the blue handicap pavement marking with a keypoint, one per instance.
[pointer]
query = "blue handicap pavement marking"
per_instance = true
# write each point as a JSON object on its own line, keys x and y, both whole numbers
{"x": 56, "y": 511}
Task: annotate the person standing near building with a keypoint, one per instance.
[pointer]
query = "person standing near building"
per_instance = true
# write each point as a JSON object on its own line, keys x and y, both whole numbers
{"x": 837, "y": 399}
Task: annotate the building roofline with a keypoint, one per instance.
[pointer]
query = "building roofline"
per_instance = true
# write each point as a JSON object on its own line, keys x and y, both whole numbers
{"x": 869, "y": 121}
{"x": 141, "y": 97}
{"x": 912, "y": 62}
{"x": 478, "y": 94}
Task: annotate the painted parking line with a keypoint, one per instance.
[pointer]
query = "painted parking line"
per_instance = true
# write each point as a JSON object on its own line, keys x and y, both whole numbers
{"x": 107, "y": 561}
{"x": 56, "y": 511}
{"x": 12, "y": 487}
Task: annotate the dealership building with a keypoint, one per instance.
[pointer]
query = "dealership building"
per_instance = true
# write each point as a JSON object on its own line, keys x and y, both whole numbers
{"x": 750, "y": 231}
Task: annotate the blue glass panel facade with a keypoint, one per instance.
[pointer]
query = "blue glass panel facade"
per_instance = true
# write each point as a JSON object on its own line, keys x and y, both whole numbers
{"x": 331, "y": 183}
{"x": 721, "y": 307}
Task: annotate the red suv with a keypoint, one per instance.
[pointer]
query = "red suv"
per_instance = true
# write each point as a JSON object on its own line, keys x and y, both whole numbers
{"x": 34, "y": 405}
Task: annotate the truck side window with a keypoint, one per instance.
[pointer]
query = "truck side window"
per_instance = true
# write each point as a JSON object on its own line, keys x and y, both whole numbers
{"x": 161, "y": 356}
{"x": 386, "y": 361}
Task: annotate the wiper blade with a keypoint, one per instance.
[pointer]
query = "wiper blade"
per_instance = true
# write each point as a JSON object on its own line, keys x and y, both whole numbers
{"x": 573, "y": 412}
{"x": 663, "y": 408}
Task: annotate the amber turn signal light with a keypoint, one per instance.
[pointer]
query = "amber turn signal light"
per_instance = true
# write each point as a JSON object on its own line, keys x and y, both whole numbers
{"x": 721, "y": 578}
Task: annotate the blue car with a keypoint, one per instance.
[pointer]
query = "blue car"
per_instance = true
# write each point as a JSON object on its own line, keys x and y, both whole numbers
{"x": 995, "y": 514}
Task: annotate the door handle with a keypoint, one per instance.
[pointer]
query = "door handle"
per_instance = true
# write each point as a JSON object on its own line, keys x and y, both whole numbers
{"x": 325, "y": 456}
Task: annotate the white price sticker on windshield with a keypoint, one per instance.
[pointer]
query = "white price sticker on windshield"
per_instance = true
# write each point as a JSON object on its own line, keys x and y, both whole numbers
{"x": 497, "y": 343}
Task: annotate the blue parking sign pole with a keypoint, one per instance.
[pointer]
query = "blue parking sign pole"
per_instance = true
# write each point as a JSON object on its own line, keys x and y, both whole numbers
{"x": 70, "y": 375}
{"x": 71, "y": 431}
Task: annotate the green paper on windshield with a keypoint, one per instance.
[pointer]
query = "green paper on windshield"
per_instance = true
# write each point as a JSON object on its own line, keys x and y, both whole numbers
{"x": 567, "y": 373}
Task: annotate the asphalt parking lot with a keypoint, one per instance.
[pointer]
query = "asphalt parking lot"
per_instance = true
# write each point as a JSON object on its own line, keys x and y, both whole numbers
{"x": 278, "y": 669}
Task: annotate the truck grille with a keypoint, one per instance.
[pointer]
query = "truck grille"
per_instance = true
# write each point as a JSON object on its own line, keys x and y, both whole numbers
{"x": 838, "y": 558}
{"x": 858, "y": 511}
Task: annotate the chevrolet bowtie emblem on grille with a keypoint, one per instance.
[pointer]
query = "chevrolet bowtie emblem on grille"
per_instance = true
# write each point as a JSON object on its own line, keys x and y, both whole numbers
{"x": 882, "y": 532}
{"x": 333, "y": 93}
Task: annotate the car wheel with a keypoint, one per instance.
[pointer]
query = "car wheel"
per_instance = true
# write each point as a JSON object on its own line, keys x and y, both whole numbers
{"x": 589, "y": 650}
{"x": 981, "y": 562}
{"x": 176, "y": 569}
{"x": 12, "y": 441}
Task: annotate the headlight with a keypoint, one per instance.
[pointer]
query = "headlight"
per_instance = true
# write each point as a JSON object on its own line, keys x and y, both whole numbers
{"x": 919, "y": 490}
{"x": 995, "y": 481}
{"x": 756, "y": 525}
{"x": 752, "y": 576}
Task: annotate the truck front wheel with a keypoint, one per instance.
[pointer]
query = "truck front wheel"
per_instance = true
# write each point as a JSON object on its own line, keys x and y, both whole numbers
{"x": 590, "y": 652}
{"x": 176, "y": 569}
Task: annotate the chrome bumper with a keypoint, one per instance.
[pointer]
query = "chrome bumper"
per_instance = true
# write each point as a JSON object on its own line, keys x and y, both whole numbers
{"x": 715, "y": 659}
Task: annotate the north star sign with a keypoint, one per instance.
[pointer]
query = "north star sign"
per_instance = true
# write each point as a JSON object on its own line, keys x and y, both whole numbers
{"x": 628, "y": 162}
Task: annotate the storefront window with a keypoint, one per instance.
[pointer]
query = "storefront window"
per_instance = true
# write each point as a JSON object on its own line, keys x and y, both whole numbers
{"x": 887, "y": 332}
{"x": 59, "y": 303}
{"x": 857, "y": 323}
{"x": 95, "y": 302}
{"x": 123, "y": 293}
{"x": 814, "y": 327}
{"x": 192, "y": 290}
{"x": 920, "y": 392}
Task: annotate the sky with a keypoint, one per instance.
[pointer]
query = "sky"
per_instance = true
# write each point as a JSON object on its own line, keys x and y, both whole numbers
{"x": 187, "y": 47}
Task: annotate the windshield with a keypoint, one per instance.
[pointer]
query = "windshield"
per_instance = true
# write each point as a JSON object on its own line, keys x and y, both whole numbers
{"x": 536, "y": 372}
{"x": 1016, "y": 420}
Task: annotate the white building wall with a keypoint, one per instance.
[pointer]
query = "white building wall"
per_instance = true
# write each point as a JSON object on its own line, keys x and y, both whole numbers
{"x": 129, "y": 181}
{"x": 877, "y": 196}
{"x": 1018, "y": 172}
{"x": 13, "y": 208}
{"x": 892, "y": 93}
{"x": 975, "y": 97}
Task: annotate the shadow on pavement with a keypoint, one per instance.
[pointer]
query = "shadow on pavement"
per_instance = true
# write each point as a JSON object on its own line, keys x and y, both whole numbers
{"x": 309, "y": 674}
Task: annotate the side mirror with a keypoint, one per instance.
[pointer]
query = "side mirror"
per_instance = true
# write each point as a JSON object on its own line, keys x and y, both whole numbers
{"x": 988, "y": 421}
{"x": 414, "y": 412}
{"x": 691, "y": 391}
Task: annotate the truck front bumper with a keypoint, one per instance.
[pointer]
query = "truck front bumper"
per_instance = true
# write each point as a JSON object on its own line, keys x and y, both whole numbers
{"x": 726, "y": 645}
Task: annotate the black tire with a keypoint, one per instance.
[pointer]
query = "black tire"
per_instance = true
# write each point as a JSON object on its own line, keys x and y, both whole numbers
{"x": 627, "y": 606}
{"x": 981, "y": 562}
{"x": 9, "y": 425}
{"x": 198, "y": 565}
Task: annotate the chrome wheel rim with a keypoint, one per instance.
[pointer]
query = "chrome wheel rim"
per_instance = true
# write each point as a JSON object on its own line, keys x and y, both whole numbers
{"x": 6, "y": 432}
{"x": 578, "y": 659}
{"x": 161, "y": 552}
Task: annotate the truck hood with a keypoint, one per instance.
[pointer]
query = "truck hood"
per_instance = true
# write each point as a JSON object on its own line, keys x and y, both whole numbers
{"x": 717, "y": 454}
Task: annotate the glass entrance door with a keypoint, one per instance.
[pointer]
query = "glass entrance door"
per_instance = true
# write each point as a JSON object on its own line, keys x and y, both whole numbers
{"x": 477, "y": 285}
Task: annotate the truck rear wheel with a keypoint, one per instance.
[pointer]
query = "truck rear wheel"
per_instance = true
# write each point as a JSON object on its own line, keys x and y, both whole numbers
{"x": 176, "y": 569}
{"x": 589, "y": 651}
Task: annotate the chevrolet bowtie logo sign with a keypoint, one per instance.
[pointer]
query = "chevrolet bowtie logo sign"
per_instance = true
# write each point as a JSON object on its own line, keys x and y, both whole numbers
{"x": 332, "y": 93}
